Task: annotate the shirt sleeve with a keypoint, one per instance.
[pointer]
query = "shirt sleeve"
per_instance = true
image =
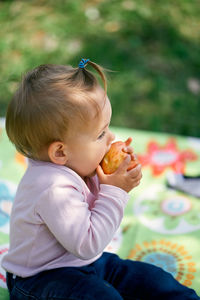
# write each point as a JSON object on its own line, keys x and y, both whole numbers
{"x": 82, "y": 231}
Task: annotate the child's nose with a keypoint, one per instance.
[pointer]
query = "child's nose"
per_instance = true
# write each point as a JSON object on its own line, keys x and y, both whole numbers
{"x": 112, "y": 136}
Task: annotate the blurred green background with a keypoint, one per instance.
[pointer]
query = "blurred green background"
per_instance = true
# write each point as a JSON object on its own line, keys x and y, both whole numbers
{"x": 153, "y": 46}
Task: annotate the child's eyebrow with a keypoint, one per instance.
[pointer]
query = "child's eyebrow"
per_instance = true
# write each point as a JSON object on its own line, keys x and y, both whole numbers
{"x": 107, "y": 124}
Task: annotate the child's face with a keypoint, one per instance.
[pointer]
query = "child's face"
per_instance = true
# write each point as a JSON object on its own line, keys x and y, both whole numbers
{"x": 86, "y": 150}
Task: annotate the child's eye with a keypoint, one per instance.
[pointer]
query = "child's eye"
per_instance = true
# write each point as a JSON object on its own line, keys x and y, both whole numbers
{"x": 101, "y": 135}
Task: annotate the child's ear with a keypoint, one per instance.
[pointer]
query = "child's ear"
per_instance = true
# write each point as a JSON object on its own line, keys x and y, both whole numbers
{"x": 57, "y": 152}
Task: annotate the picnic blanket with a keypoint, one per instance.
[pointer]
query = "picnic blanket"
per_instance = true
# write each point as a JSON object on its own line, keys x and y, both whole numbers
{"x": 161, "y": 226}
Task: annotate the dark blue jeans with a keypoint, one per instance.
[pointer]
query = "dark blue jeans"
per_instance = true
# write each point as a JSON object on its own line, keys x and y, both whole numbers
{"x": 108, "y": 278}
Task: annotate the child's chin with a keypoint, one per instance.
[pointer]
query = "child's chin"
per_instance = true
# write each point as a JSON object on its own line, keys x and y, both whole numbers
{"x": 92, "y": 174}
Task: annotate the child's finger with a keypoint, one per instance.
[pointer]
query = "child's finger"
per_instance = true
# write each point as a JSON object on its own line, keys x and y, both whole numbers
{"x": 100, "y": 172}
{"x": 124, "y": 164}
{"x": 128, "y": 141}
{"x": 136, "y": 183}
{"x": 138, "y": 177}
{"x": 128, "y": 149}
{"x": 135, "y": 171}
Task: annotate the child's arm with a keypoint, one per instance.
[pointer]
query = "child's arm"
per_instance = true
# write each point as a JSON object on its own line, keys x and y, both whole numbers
{"x": 82, "y": 231}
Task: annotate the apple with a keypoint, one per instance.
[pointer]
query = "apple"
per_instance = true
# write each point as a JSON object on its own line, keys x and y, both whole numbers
{"x": 116, "y": 155}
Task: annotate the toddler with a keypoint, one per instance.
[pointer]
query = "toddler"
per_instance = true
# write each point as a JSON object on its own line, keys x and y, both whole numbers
{"x": 66, "y": 210}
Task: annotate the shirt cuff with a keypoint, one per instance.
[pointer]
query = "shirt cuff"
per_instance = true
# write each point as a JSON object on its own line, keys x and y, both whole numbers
{"x": 115, "y": 191}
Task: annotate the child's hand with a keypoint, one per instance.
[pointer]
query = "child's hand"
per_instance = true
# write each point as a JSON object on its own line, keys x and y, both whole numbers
{"x": 122, "y": 178}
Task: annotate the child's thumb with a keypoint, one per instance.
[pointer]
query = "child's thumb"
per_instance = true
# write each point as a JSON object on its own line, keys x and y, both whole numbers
{"x": 100, "y": 172}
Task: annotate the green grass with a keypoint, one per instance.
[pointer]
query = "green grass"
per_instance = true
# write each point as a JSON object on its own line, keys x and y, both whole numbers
{"x": 154, "y": 47}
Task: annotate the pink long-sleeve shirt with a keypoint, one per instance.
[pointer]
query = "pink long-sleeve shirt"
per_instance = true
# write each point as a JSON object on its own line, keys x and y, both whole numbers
{"x": 58, "y": 220}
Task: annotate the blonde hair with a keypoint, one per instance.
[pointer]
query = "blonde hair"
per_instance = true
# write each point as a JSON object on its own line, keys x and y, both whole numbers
{"x": 49, "y": 101}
